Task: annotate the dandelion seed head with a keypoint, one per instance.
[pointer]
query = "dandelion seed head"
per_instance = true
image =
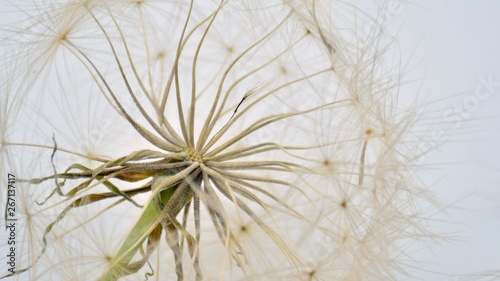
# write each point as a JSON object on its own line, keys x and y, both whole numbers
{"x": 225, "y": 140}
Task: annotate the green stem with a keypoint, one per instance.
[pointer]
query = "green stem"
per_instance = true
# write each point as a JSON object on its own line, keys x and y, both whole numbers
{"x": 147, "y": 222}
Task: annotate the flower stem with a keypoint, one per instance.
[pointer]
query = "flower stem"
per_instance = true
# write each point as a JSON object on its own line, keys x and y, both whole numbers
{"x": 148, "y": 221}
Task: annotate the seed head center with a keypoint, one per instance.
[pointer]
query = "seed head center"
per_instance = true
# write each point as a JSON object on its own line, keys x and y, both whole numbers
{"x": 193, "y": 155}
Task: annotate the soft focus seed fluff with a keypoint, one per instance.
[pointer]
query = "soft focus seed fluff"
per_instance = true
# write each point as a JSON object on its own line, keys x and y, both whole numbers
{"x": 207, "y": 140}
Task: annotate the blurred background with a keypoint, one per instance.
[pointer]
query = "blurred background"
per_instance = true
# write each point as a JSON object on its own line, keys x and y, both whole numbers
{"x": 456, "y": 46}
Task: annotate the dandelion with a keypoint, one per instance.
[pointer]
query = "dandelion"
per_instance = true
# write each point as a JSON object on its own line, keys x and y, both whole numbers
{"x": 203, "y": 140}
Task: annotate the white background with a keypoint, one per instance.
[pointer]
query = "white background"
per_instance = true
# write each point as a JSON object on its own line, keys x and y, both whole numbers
{"x": 457, "y": 42}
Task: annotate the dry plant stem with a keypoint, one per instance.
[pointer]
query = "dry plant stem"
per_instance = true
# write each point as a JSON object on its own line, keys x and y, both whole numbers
{"x": 362, "y": 163}
{"x": 180, "y": 47}
{"x": 209, "y": 123}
